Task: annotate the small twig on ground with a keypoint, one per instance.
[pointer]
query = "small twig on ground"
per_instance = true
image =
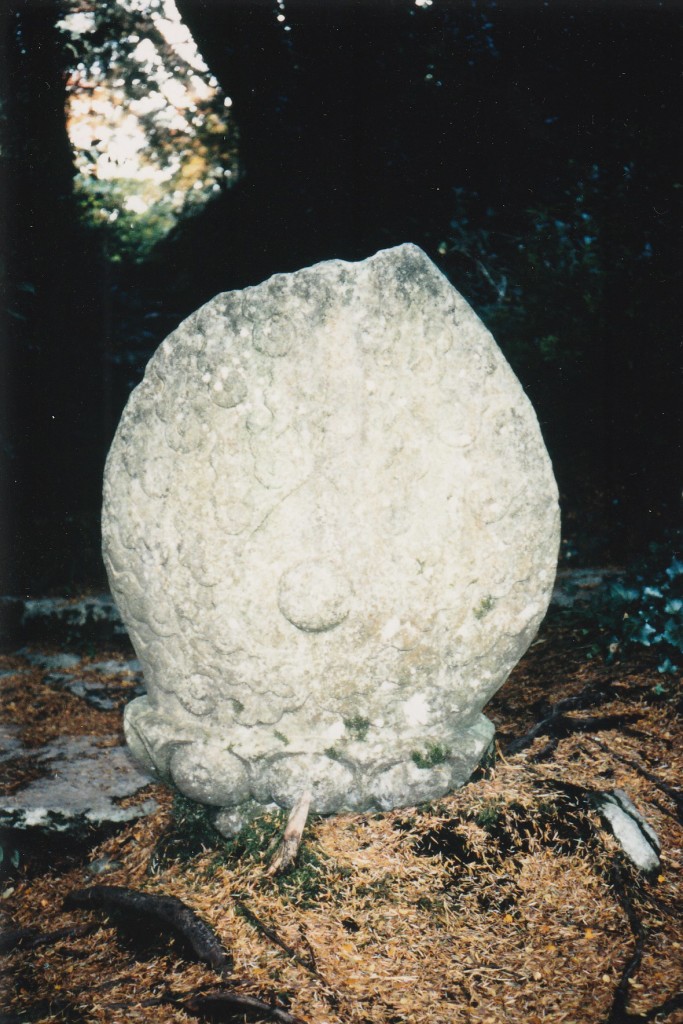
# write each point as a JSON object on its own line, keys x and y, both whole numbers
{"x": 288, "y": 849}
{"x": 492, "y": 970}
{"x": 557, "y": 724}
{"x": 309, "y": 947}
{"x": 168, "y": 911}
{"x": 588, "y": 697}
{"x": 309, "y": 965}
{"x": 271, "y": 934}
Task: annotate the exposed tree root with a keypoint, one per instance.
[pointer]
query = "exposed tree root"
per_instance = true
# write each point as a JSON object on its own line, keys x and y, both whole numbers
{"x": 31, "y": 938}
{"x": 557, "y": 724}
{"x": 546, "y": 752}
{"x": 674, "y": 794}
{"x": 229, "y": 1006}
{"x": 167, "y": 911}
{"x": 619, "y": 1012}
{"x": 663, "y": 1010}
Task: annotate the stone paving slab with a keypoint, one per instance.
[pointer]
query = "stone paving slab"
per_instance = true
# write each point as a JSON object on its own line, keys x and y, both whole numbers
{"x": 83, "y": 781}
{"x": 73, "y": 783}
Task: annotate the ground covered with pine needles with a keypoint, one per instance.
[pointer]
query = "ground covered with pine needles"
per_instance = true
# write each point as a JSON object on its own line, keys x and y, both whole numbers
{"x": 507, "y": 901}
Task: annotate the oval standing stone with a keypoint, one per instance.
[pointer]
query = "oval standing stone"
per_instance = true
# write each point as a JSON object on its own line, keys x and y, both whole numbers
{"x": 331, "y": 527}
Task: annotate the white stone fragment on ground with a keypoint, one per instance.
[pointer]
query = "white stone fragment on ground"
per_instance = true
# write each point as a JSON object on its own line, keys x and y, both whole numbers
{"x": 331, "y": 527}
{"x": 634, "y": 834}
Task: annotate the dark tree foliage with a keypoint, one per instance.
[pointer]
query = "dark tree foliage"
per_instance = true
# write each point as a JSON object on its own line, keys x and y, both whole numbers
{"x": 531, "y": 148}
{"x": 54, "y": 311}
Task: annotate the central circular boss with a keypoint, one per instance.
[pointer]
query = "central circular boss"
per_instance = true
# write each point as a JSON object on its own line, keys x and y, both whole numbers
{"x": 314, "y": 596}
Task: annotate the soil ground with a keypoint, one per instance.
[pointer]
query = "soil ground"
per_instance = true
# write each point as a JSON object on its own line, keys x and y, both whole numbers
{"x": 506, "y": 901}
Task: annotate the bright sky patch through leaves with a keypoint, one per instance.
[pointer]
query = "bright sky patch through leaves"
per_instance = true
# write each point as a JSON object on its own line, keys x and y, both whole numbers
{"x": 151, "y": 130}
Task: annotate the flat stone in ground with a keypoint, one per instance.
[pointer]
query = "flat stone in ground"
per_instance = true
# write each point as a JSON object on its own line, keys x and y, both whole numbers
{"x": 82, "y": 783}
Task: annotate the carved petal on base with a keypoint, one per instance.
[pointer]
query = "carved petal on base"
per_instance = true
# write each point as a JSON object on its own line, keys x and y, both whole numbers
{"x": 208, "y": 773}
{"x": 419, "y": 781}
{"x": 206, "y": 770}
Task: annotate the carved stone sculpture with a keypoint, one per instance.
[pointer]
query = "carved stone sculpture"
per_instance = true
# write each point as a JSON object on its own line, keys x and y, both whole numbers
{"x": 331, "y": 527}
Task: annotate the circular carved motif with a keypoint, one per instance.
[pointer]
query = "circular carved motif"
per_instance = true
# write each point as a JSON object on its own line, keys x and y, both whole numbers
{"x": 314, "y": 596}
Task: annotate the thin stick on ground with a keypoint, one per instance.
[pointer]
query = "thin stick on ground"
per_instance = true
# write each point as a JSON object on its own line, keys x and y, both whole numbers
{"x": 309, "y": 965}
{"x": 590, "y": 696}
{"x": 271, "y": 934}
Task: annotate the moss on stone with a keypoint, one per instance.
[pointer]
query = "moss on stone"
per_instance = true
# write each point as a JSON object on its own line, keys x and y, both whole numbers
{"x": 435, "y": 754}
{"x": 357, "y": 726}
{"x": 484, "y": 607}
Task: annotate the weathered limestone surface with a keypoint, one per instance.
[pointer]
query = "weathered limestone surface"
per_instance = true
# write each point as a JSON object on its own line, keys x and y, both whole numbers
{"x": 81, "y": 785}
{"x": 331, "y": 527}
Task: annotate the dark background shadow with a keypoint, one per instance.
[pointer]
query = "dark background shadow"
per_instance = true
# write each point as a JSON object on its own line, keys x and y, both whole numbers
{"x": 368, "y": 124}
